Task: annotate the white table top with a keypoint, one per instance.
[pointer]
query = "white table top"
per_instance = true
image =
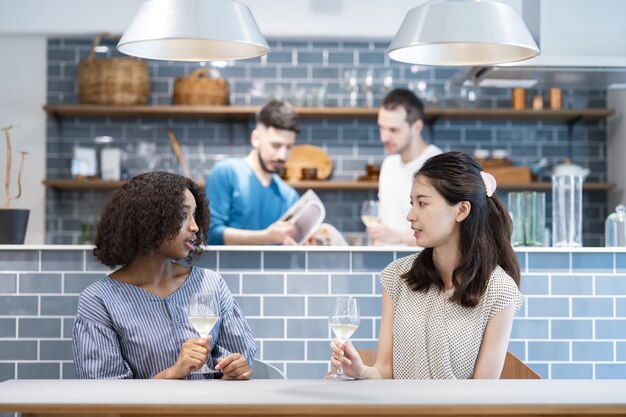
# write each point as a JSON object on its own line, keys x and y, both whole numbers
{"x": 163, "y": 395}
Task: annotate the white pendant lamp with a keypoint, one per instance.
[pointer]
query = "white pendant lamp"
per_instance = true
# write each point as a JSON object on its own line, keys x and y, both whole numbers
{"x": 462, "y": 32}
{"x": 193, "y": 30}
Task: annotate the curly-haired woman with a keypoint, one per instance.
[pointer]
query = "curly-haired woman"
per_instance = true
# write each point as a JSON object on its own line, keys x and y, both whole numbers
{"x": 447, "y": 312}
{"x": 133, "y": 323}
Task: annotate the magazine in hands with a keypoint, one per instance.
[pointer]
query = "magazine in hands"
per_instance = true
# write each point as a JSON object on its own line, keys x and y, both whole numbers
{"x": 307, "y": 214}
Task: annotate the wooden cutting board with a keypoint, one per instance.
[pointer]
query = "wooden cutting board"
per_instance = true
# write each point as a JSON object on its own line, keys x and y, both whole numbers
{"x": 308, "y": 156}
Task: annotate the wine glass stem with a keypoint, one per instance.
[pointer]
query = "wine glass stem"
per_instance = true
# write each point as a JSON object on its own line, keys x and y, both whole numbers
{"x": 206, "y": 364}
{"x": 340, "y": 367}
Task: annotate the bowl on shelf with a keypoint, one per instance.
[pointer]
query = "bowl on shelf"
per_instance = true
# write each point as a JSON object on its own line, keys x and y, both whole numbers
{"x": 373, "y": 170}
{"x": 372, "y": 173}
{"x": 309, "y": 173}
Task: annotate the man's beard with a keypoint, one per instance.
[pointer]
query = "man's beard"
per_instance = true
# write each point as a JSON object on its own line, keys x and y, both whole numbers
{"x": 264, "y": 167}
{"x": 402, "y": 148}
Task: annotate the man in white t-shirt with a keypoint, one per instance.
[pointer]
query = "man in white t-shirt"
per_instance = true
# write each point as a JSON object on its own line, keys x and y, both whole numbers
{"x": 400, "y": 121}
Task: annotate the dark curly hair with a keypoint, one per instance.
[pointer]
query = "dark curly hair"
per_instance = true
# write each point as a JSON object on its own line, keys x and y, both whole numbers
{"x": 485, "y": 233}
{"x": 146, "y": 212}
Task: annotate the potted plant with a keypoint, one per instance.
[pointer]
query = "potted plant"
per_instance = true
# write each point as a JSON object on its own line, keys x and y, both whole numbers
{"x": 13, "y": 222}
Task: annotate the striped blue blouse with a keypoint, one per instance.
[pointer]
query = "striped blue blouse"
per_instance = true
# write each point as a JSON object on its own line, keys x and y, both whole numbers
{"x": 123, "y": 331}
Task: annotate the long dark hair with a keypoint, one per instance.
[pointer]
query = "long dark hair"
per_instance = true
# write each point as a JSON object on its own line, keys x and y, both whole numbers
{"x": 485, "y": 233}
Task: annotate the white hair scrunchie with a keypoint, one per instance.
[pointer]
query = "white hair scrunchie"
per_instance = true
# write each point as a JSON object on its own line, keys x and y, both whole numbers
{"x": 490, "y": 182}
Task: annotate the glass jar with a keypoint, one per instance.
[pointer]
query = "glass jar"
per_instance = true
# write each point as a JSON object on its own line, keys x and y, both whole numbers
{"x": 567, "y": 202}
{"x": 615, "y": 227}
{"x": 527, "y": 210}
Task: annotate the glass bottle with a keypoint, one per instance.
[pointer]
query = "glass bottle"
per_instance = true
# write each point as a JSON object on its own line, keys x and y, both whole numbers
{"x": 615, "y": 227}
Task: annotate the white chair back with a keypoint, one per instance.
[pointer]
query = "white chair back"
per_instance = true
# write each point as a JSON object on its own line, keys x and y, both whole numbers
{"x": 263, "y": 370}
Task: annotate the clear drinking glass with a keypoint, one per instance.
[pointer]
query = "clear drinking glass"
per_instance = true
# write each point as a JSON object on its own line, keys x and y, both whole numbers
{"x": 527, "y": 210}
{"x": 352, "y": 85}
{"x": 203, "y": 313}
{"x": 615, "y": 227}
{"x": 388, "y": 81}
{"x": 567, "y": 215}
{"x": 368, "y": 86}
{"x": 344, "y": 320}
{"x": 369, "y": 214}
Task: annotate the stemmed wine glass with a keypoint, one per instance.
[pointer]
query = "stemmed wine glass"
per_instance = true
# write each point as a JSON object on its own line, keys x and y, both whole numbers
{"x": 344, "y": 320}
{"x": 352, "y": 84}
{"x": 369, "y": 214}
{"x": 203, "y": 313}
{"x": 368, "y": 83}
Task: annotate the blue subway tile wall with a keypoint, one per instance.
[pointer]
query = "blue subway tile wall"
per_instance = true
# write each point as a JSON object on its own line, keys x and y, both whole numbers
{"x": 8, "y": 327}
{"x": 620, "y": 307}
{"x": 571, "y": 371}
{"x": 572, "y": 324}
{"x": 572, "y": 285}
{"x": 299, "y": 70}
{"x": 572, "y": 329}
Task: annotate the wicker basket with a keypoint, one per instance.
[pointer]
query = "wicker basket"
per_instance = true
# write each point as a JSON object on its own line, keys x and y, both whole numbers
{"x": 112, "y": 80}
{"x": 198, "y": 88}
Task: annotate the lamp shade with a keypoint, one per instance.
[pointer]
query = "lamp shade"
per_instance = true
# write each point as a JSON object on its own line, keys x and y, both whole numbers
{"x": 193, "y": 30}
{"x": 462, "y": 32}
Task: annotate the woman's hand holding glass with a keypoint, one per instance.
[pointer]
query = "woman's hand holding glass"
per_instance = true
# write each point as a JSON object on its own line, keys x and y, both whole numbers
{"x": 193, "y": 353}
{"x": 344, "y": 320}
{"x": 347, "y": 357}
{"x": 203, "y": 314}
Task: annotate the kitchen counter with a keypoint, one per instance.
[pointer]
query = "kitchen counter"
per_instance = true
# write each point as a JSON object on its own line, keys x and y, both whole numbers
{"x": 314, "y": 397}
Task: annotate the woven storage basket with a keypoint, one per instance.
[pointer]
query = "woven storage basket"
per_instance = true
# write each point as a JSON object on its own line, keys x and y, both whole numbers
{"x": 198, "y": 88}
{"x": 112, "y": 80}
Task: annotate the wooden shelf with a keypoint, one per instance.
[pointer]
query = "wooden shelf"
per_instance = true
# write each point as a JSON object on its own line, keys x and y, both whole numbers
{"x": 564, "y": 115}
{"x": 569, "y": 116}
{"x": 82, "y": 185}
{"x": 246, "y": 112}
{"x": 208, "y": 112}
{"x": 96, "y": 184}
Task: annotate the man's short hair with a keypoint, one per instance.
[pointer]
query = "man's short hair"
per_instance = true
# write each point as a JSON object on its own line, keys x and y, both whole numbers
{"x": 405, "y": 98}
{"x": 279, "y": 115}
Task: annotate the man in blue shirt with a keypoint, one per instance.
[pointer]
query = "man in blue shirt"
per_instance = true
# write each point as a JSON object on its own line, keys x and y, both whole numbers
{"x": 246, "y": 195}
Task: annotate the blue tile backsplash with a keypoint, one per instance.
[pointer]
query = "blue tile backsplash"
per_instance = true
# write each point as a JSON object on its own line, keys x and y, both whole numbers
{"x": 296, "y": 70}
{"x": 572, "y": 324}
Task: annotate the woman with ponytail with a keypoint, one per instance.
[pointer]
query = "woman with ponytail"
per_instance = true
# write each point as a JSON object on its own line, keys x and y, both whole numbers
{"x": 447, "y": 311}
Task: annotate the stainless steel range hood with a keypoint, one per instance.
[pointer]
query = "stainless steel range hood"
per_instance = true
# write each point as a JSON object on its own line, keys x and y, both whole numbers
{"x": 583, "y": 45}
{"x": 531, "y": 76}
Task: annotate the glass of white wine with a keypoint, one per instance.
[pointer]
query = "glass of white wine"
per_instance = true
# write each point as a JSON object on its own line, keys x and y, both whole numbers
{"x": 344, "y": 320}
{"x": 203, "y": 313}
{"x": 369, "y": 214}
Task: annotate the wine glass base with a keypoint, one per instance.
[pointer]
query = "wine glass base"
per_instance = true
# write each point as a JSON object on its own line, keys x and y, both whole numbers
{"x": 205, "y": 371}
{"x": 339, "y": 377}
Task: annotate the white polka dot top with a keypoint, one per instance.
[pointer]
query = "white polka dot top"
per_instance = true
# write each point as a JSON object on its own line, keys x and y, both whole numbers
{"x": 434, "y": 338}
